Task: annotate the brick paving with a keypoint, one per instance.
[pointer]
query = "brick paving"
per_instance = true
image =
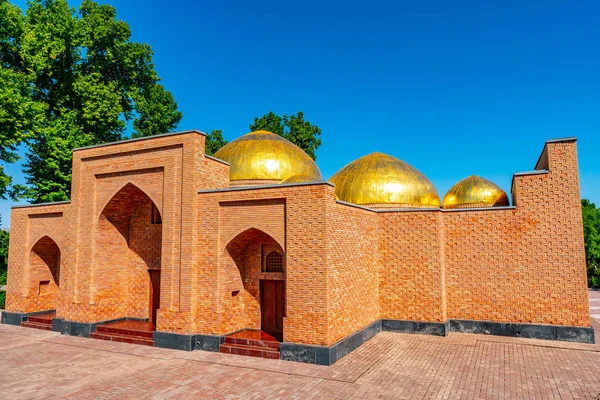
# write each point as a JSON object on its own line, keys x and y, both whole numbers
{"x": 37, "y": 364}
{"x": 594, "y": 296}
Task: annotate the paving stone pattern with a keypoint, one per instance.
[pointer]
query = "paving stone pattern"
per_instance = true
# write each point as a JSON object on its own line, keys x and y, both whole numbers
{"x": 42, "y": 365}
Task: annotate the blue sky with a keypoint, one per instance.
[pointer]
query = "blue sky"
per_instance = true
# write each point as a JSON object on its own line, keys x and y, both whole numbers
{"x": 453, "y": 88}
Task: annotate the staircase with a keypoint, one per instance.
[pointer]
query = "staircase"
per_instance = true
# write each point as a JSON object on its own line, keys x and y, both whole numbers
{"x": 135, "y": 332}
{"x": 39, "y": 321}
{"x": 251, "y": 343}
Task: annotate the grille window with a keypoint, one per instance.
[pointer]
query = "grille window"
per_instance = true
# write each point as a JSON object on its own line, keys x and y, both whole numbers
{"x": 274, "y": 262}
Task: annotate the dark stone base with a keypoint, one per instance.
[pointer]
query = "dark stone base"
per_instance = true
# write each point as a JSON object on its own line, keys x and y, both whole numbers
{"x": 176, "y": 341}
{"x": 13, "y": 318}
{"x": 530, "y": 331}
{"x": 322, "y": 355}
{"x": 16, "y": 318}
{"x": 83, "y": 329}
{"x": 58, "y": 324}
{"x": 208, "y": 342}
{"x": 426, "y": 328}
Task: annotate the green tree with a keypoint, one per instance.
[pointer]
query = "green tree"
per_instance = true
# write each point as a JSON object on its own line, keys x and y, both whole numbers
{"x": 74, "y": 78}
{"x": 214, "y": 141}
{"x": 292, "y": 127}
{"x": 591, "y": 234}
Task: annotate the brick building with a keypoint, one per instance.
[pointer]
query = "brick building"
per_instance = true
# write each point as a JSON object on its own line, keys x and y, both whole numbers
{"x": 189, "y": 251}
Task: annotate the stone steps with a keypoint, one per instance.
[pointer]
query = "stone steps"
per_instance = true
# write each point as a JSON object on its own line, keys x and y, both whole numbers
{"x": 251, "y": 351}
{"x": 39, "y": 321}
{"x": 114, "y": 337}
{"x": 37, "y": 325}
{"x": 263, "y": 344}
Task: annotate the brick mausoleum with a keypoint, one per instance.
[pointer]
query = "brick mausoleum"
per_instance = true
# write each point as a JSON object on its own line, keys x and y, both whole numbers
{"x": 250, "y": 252}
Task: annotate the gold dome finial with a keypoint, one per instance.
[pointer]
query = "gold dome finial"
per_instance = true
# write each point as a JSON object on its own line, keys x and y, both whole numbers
{"x": 264, "y": 158}
{"x": 475, "y": 192}
{"x": 382, "y": 181}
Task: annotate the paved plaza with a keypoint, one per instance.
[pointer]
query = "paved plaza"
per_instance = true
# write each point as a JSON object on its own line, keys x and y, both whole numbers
{"x": 38, "y": 364}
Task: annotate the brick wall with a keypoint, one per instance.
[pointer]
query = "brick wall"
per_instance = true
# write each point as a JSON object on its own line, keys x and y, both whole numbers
{"x": 353, "y": 262}
{"x": 412, "y": 273}
{"x": 525, "y": 264}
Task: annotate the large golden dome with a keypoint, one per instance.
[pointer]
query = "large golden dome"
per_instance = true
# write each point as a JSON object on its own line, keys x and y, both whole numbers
{"x": 474, "y": 192}
{"x": 262, "y": 158}
{"x": 379, "y": 180}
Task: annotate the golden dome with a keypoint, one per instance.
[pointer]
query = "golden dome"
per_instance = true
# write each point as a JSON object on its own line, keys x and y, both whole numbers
{"x": 379, "y": 180}
{"x": 263, "y": 157}
{"x": 474, "y": 192}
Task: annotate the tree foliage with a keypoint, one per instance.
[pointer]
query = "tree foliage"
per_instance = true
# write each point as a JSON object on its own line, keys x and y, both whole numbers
{"x": 591, "y": 233}
{"x": 214, "y": 141}
{"x": 292, "y": 127}
{"x": 71, "y": 78}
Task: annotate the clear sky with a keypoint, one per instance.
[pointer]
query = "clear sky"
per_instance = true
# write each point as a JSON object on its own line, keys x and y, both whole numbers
{"x": 453, "y": 88}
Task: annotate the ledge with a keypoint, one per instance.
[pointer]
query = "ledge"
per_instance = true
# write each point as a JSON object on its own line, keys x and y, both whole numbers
{"x": 216, "y": 159}
{"x": 95, "y": 146}
{"x": 479, "y": 209}
{"x": 534, "y": 172}
{"x": 526, "y": 173}
{"x": 424, "y": 209}
{"x": 566, "y": 139}
{"x": 54, "y": 203}
{"x": 277, "y": 186}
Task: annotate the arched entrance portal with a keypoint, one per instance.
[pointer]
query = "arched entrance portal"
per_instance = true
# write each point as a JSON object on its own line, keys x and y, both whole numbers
{"x": 128, "y": 255}
{"x": 255, "y": 262}
{"x": 44, "y": 261}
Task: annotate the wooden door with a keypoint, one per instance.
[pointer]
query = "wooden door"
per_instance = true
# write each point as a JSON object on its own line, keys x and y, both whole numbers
{"x": 154, "y": 292}
{"x": 272, "y": 306}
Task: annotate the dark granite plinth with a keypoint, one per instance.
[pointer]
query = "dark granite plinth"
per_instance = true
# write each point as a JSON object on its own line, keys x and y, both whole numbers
{"x": 173, "y": 341}
{"x": 13, "y": 318}
{"x": 530, "y": 331}
{"x": 207, "y": 342}
{"x": 426, "y": 328}
{"x": 323, "y": 355}
{"x": 16, "y": 318}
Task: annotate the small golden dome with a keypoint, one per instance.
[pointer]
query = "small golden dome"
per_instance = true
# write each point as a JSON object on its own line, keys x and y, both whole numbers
{"x": 379, "y": 180}
{"x": 263, "y": 157}
{"x": 475, "y": 192}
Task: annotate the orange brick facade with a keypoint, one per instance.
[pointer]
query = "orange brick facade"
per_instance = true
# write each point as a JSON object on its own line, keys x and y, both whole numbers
{"x": 160, "y": 204}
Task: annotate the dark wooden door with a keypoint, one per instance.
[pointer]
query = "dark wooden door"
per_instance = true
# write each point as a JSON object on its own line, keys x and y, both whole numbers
{"x": 273, "y": 306}
{"x": 154, "y": 292}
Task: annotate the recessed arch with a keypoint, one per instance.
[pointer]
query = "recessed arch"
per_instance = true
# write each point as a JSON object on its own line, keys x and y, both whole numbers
{"x": 257, "y": 227}
{"x": 259, "y": 300}
{"x": 44, "y": 273}
{"x": 139, "y": 187}
{"x": 46, "y": 252}
{"x": 127, "y": 254}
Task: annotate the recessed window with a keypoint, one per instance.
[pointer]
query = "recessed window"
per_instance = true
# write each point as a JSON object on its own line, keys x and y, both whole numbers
{"x": 274, "y": 262}
{"x": 155, "y": 218}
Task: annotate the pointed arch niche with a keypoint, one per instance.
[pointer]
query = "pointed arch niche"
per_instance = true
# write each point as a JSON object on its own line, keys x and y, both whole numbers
{"x": 44, "y": 262}
{"x": 254, "y": 297}
{"x": 127, "y": 255}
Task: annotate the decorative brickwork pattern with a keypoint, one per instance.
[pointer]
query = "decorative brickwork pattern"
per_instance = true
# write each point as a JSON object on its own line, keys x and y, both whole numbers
{"x": 411, "y": 277}
{"x": 353, "y": 262}
{"x": 525, "y": 264}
